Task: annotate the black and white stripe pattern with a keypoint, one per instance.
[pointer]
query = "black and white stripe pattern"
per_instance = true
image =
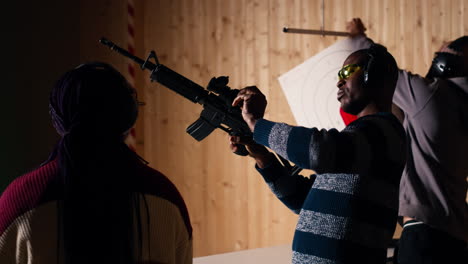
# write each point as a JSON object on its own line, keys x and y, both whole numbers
{"x": 349, "y": 211}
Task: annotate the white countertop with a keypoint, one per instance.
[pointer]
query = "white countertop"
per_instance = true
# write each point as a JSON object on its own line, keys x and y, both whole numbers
{"x": 272, "y": 255}
{"x": 281, "y": 254}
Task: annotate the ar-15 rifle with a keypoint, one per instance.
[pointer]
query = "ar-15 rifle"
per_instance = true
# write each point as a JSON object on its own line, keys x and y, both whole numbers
{"x": 217, "y": 112}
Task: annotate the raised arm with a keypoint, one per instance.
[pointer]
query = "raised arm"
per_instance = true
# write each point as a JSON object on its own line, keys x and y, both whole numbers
{"x": 320, "y": 150}
{"x": 359, "y": 146}
{"x": 412, "y": 90}
{"x": 309, "y": 148}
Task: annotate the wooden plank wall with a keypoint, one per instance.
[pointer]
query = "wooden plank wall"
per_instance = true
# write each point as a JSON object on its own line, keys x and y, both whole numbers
{"x": 230, "y": 206}
{"x": 109, "y": 19}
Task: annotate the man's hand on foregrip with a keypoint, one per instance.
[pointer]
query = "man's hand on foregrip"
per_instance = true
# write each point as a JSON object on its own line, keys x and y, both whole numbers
{"x": 356, "y": 28}
{"x": 253, "y": 104}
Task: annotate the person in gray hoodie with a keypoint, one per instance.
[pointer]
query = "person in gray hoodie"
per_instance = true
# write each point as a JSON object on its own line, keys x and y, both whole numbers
{"x": 433, "y": 187}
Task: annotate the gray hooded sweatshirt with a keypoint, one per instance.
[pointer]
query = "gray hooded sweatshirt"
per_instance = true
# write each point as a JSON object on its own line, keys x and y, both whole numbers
{"x": 433, "y": 186}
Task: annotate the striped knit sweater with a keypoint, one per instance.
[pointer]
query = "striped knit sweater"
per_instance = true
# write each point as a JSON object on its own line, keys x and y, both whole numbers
{"x": 28, "y": 218}
{"x": 348, "y": 210}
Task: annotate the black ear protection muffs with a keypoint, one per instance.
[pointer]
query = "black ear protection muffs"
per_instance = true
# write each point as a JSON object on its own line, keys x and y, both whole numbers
{"x": 376, "y": 53}
{"x": 446, "y": 65}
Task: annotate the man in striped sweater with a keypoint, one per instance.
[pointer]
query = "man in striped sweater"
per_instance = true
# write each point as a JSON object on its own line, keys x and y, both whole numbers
{"x": 348, "y": 210}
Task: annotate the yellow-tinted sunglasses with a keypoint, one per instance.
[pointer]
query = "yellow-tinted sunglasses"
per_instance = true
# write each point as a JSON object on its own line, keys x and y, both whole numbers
{"x": 347, "y": 71}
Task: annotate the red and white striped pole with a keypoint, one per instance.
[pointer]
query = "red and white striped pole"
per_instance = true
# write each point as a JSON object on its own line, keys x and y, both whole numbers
{"x": 131, "y": 139}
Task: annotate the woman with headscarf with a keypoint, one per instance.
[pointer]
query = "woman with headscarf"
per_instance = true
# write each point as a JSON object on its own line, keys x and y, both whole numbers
{"x": 94, "y": 200}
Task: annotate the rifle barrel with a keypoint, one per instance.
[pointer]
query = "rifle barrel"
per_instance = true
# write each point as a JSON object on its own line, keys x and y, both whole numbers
{"x": 148, "y": 65}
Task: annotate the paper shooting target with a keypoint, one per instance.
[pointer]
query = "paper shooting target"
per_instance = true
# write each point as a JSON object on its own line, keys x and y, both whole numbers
{"x": 310, "y": 87}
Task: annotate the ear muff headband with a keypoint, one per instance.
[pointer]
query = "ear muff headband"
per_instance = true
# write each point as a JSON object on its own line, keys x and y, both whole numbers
{"x": 375, "y": 52}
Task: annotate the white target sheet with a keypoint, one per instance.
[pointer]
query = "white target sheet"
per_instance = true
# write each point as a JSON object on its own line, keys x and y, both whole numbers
{"x": 310, "y": 87}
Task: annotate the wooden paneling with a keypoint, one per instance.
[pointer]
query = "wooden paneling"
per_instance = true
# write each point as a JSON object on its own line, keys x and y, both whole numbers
{"x": 102, "y": 19}
{"x": 230, "y": 206}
